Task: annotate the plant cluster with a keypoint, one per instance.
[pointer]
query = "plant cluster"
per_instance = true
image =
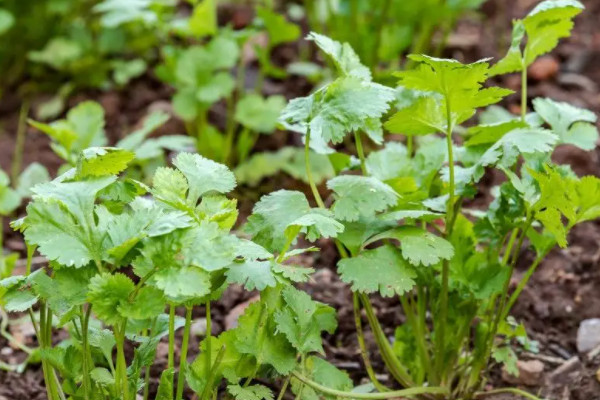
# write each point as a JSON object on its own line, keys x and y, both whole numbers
{"x": 128, "y": 238}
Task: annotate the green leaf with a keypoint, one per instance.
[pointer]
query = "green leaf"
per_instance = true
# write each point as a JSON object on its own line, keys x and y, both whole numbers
{"x": 102, "y": 161}
{"x": 209, "y": 247}
{"x": 32, "y": 175}
{"x": 10, "y": 199}
{"x": 279, "y": 30}
{"x": 458, "y": 86}
{"x": 18, "y": 300}
{"x": 489, "y": 134}
{"x": 148, "y": 303}
{"x": 165, "y": 385}
{"x": 259, "y": 114}
{"x": 58, "y": 221}
{"x": 344, "y": 57}
{"x": 183, "y": 283}
{"x": 418, "y": 246}
{"x": 203, "y": 21}
{"x": 359, "y": 196}
{"x": 303, "y": 320}
{"x": 107, "y": 293}
{"x": 58, "y": 53}
{"x": 382, "y": 269}
{"x": 253, "y": 274}
{"x": 276, "y": 212}
{"x": 390, "y": 162}
{"x": 253, "y": 392}
{"x": 204, "y": 175}
{"x": 256, "y": 335}
{"x": 506, "y": 356}
{"x": 548, "y": 22}
{"x": 7, "y": 20}
{"x": 350, "y": 103}
{"x": 573, "y": 125}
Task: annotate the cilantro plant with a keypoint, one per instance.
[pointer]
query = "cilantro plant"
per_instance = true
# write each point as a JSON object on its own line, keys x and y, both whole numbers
{"x": 83, "y": 127}
{"x": 201, "y": 74}
{"x": 119, "y": 254}
{"x": 408, "y": 230}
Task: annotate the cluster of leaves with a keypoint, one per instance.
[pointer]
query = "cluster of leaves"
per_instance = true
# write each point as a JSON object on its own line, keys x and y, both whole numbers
{"x": 97, "y": 44}
{"x": 406, "y": 230}
{"x": 119, "y": 253}
{"x": 201, "y": 75}
{"x": 83, "y": 128}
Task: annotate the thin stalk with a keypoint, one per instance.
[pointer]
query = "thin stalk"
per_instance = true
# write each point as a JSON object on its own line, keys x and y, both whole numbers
{"x": 309, "y": 176}
{"x": 391, "y": 361}
{"x": 211, "y": 376}
{"x": 363, "y": 348}
{"x": 30, "y": 251}
{"x": 171, "y": 355}
{"x": 410, "y": 145}
{"x": 443, "y": 313}
{"x": 17, "y": 161}
{"x": 183, "y": 356}
{"x": 522, "y": 283}
{"x": 413, "y": 320}
{"x": 509, "y": 246}
{"x": 87, "y": 367}
{"x": 284, "y": 387}
{"x": 121, "y": 362}
{"x": 208, "y": 335}
{"x": 372, "y": 396}
{"x": 360, "y": 152}
{"x": 524, "y": 88}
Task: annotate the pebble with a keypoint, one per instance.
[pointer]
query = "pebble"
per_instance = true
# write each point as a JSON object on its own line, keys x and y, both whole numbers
{"x": 198, "y": 327}
{"x": 544, "y": 68}
{"x": 588, "y": 335}
{"x": 530, "y": 373}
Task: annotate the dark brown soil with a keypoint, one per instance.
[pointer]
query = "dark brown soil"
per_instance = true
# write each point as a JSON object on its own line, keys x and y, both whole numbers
{"x": 562, "y": 293}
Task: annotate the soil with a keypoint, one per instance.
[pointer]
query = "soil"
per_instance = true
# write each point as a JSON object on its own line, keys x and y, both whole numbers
{"x": 562, "y": 293}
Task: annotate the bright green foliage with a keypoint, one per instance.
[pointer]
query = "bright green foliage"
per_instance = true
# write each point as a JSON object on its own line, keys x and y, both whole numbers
{"x": 279, "y": 30}
{"x": 303, "y": 320}
{"x": 259, "y": 114}
{"x": 459, "y": 89}
{"x": 419, "y": 246}
{"x": 253, "y": 392}
{"x": 266, "y": 346}
{"x": 9, "y": 198}
{"x": 350, "y": 103}
{"x": 544, "y": 26}
{"x": 198, "y": 74}
{"x": 573, "y": 125}
{"x": 382, "y": 269}
{"x": 276, "y": 215}
{"x": 358, "y": 196}
{"x": 203, "y": 21}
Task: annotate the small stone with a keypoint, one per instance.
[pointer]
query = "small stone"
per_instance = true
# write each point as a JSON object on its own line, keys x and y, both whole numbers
{"x": 588, "y": 335}
{"x": 198, "y": 328}
{"x": 530, "y": 373}
{"x": 544, "y": 68}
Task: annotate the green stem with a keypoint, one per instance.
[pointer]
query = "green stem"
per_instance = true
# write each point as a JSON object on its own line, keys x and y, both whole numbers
{"x": 443, "y": 313}
{"x": 309, "y": 176}
{"x": 410, "y": 145}
{"x": 284, "y": 387}
{"x": 171, "y": 355}
{"x": 87, "y": 368}
{"x": 211, "y": 376}
{"x": 379, "y": 34}
{"x": 360, "y": 152}
{"x": 121, "y": 362}
{"x": 363, "y": 348}
{"x": 208, "y": 335}
{"x": 389, "y": 357}
{"x": 372, "y": 396}
{"x": 183, "y": 356}
{"x": 522, "y": 283}
{"x": 524, "y": 88}
{"x": 17, "y": 161}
